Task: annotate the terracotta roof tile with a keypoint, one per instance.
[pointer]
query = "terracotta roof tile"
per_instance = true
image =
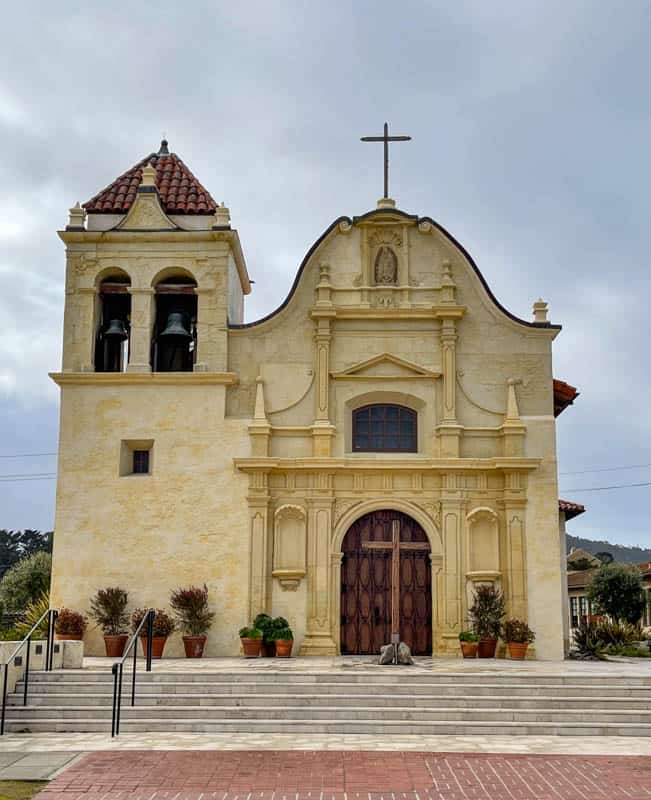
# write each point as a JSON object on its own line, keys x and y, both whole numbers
{"x": 570, "y": 510}
{"x": 577, "y": 580}
{"x": 180, "y": 192}
{"x": 564, "y": 396}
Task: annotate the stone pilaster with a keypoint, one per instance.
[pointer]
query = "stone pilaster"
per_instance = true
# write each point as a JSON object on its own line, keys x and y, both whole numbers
{"x": 85, "y": 330}
{"x": 516, "y": 563}
{"x": 451, "y": 579}
{"x": 322, "y": 429}
{"x": 211, "y": 331}
{"x": 259, "y": 575}
{"x": 318, "y": 634}
{"x": 142, "y": 323}
{"x": 449, "y": 429}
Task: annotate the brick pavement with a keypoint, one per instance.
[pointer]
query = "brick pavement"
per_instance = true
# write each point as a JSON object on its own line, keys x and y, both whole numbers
{"x": 348, "y": 775}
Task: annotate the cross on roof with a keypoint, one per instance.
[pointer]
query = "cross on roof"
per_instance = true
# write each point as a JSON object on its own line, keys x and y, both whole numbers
{"x": 386, "y": 139}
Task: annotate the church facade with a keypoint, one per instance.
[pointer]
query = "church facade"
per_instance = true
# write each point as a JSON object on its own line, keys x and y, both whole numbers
{"x": 390, "y": 395}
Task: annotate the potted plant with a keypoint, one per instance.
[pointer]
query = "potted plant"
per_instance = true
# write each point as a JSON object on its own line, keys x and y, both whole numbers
{"x": 70, "y": 625}
{"x": 190, "y": 607}
{"x": 263, "y": 622}
{"x": 283, "y": 639}
{"x": 251, "y": 638}
{"x": 487, "y": 612}
{"x": 163, "y": 626}
{"x": 109, "y": 610}
{"x": 518, "y": 637}
{"x": 469, "y": 642}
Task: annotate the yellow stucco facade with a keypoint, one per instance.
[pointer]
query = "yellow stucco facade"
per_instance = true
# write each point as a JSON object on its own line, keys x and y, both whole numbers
{"x": 253, "y": 482}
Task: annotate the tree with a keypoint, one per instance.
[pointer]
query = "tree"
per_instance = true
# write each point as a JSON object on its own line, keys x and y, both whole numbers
{"x": 617, "y": 590}
{"x": 25, "y": 581}
{"x": 580, "y": 564}
{"x": 605, "y": 557}
{"x": 15, "y": 545}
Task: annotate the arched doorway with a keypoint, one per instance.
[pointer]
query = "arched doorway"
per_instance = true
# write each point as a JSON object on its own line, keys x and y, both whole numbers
{"x": 367, "y": 578}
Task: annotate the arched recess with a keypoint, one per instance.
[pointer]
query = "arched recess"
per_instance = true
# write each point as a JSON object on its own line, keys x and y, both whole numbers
{"x": 483, "y": 549}
{"x": 112, "y": 322}
{"x": 341, "y": 528}
{"x": 174, "y": 339}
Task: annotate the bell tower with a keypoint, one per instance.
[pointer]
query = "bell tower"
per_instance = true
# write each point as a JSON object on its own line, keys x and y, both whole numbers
{"x": 154, "y": 275}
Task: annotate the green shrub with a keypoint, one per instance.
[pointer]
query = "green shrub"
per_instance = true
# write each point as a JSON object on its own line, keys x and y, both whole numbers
{"x": 617, "y": 632}
{"x": 517, "y": 631}
{"x": 627, "y": 650}
{"x": 250, "y": 632}
{"x": 269, "y": 626}
{"x": 282, "y": 634}
{"x": 587, "y": 641}
{"x": 25, "y": 582}
{"x": 190, "y": 607}
{"x": 468, "y": 636}
{"x": 617, "y": 590}
{"x": 109, "y": 610}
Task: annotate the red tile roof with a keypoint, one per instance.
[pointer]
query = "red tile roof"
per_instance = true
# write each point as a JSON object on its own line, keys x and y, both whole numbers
{"x": 570, "y": 510}
{"x": 564, "y": 396}
{"x": 179, "y": 191}
{"x": 579, "y": 579}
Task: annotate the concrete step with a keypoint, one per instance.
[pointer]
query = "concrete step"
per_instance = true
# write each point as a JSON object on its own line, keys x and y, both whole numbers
{"x": 335, "y": 713}
{"x": 350, "y": 726}
{"x": 228, "y": 700}
{"x": 145, "y": 684}
{"x": 384, "y": 676}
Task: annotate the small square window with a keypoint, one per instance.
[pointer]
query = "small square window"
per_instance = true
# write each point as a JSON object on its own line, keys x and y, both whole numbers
{"x": 136, "y": 457}
{"x": 140, "y": 462}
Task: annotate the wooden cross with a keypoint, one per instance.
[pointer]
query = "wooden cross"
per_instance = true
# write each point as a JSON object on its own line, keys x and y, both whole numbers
{"x": 395, "y": 545}
{"x": 386, "y": 139}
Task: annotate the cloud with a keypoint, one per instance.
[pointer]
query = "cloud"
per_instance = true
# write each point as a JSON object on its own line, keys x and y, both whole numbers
{"x": 530, "y": 144}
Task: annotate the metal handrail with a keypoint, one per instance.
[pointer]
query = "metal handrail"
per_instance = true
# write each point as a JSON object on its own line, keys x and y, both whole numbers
{"x": 51, "y": 615}
{"x": 118, "y": 668}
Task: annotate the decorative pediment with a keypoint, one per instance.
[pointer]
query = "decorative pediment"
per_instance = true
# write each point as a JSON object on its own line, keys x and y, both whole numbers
{"x": 146, "y": 213}
{"x": 386, "y": 367}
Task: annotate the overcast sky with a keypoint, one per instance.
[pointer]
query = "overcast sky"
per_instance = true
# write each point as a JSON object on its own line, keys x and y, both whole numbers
{"x": 531, "y": 131}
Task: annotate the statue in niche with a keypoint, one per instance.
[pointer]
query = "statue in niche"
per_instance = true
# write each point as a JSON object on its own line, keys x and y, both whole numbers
{"x": 386, "y": 266}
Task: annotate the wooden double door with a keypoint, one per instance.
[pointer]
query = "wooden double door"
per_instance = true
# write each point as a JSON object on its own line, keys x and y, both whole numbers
{"x": 368, "y": 577}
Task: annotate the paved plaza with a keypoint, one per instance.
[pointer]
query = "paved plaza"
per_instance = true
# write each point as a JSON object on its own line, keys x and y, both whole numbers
{"x": 345, "y": 775}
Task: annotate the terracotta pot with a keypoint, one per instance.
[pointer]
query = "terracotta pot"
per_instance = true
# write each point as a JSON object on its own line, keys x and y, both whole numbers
{"x": 157, "y": 646}
{"x": 268, "y": 649}
{"x": 194, "y": 645}
{"x": 487, "y": 647}
{"x": 115, "y": 645}
{"x": 69, "y": 637}
{"x": 518, "y": 650}
{"x": 469, "y": 649}
{"x": 251, "y": 647}
{"x": 284, "y": 648}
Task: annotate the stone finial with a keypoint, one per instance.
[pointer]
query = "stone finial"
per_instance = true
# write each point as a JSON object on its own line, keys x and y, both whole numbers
{"x": 512, "y": 409}
{"x": 386, "y": 202}
{"x": 259, "y": 414}
{"x": 540, "y": 308}
{"x": 77, "y": 216}
{"x": 148, "y": 176}
{"x": 222, "y": 216}
{"x": 163, "y": 148}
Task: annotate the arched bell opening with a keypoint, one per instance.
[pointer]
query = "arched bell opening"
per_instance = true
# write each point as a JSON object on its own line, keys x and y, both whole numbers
{"x": 174, "y": 341}
{"x": 386, "y": 584}
{"x": 114, "y": 324}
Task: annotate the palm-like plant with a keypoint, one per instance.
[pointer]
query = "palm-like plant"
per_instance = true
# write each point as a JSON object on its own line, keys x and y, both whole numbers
{"x": 190, "y": 607}
{"x": 488, "y": 611}
{"x": 109, "y": 610}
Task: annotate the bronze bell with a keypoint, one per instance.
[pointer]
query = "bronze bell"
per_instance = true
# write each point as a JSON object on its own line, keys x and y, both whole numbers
{"x": 176, "y": 326}
{"x": 116, "y": 331}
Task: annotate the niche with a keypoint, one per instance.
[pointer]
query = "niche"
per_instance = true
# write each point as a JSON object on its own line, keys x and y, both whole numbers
{"x": 289, "y": 546}
{"x": 174, "y": 341}
{"x": 484, "y": 556}
{"x": 113, "y": 330}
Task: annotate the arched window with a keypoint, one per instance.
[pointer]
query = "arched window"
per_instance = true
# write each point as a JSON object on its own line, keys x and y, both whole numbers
{"x": 385, "y": 428}
{"x": 174, "y": 344}
{"x": 113, "y": 330}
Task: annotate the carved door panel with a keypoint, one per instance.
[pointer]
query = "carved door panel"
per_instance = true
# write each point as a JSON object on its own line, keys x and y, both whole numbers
{"x": 366, "y": 587}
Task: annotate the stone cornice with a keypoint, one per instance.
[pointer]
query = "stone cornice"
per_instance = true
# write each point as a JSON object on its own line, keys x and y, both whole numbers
{"x": 389, "y": 463}
{"x": 144, "y": 378}
{"x": 415, "y": 312}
